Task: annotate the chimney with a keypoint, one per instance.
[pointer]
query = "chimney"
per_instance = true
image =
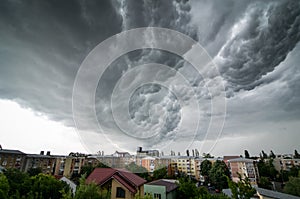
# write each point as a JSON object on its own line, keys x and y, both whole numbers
{"x": 48, "y": 152}
{"x": 187, "y": 152}
{"x": 193, "y": 153}
{"x": 42, "y": 153}
{"x": 139, "y": 149}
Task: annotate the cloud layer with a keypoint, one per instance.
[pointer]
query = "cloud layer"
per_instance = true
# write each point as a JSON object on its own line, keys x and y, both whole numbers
{"x": 255, "y": 46}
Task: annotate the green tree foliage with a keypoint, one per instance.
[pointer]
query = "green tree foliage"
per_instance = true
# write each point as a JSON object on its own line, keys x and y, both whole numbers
{"x": 19, "y": 182}
{"x": 205, "y": 167}
{"x": 210, "y": 196}
{"x": 242, "y": 189}
{"x": 247, "y": 155}
{"x": 207, "y": 155}
{"x": 4, "y": 186}
{"x": 187, "y": 189}
{"x": 265, "y": 183}
{"x": 296, "y": 154}
{"x": 146, "y": 196}
{"x": 90, "y": 191}
{"x": 267, "y": 169}
{"x": 34, "y": 171}
{"x": 264, "y": 155}
{"x": 87, "y": 170}
{"x": 293, "y": 186}
{"x": 46, "y": 186}
{"x": 160, "y": 173}
{"x": 218, "y": 173}
{"x": 294, "y": 171}
{"x": 272, "y": 155}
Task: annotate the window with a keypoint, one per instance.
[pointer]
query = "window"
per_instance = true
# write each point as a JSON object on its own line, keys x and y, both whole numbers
{"x": 120, "y": 193}
{"x": 157, "y": 196}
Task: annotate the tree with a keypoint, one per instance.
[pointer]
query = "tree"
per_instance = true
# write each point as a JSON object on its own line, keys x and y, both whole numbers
{"x": 272, "y": 155}
{"x": 34, "y": 171}
{"x": 241, "y": 189}
{"x": 187, "y": 189}
{"x": 18, "y": 182}
{"x": 246, "y": 154}
{"x": 46, "y": 186}
{"x": 264, "y": 182}
{"x": 264, "y": 155}
{"x": 267, "y": 169}
{"x": 296, "y": 154}
{"x": 90, "y": 191}
{"x": 160, "y": 173}
{"x": 205, "y": 167}
{"x": 293, "y": 186}
{"x": 139, "y": 170}
{"x": 207, "y": 155}
{"x": 4, "y": 186}
{"x": 218, "y": 173}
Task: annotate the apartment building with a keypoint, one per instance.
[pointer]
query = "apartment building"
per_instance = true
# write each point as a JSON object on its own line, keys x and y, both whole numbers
{"x": 44, "y": 161}
{"x": 12, "y": 158}
{"x": 244, "y": 167}
{"x": 68, "y": 165}
{"x": 285, "y": 163}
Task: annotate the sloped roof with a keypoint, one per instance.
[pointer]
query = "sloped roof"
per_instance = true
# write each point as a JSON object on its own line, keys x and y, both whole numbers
{"x": 170, "y": 186}
{"x": 275, "y": 194}
{"x": 101, "y": 175}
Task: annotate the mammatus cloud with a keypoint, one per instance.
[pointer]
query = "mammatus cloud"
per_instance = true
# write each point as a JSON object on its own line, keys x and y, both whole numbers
{"x": 254, "y": 45}
{"x": 258, "y": 42}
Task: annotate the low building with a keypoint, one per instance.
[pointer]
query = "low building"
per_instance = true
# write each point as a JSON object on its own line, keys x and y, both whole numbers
{"x": 121, "y": 183}
{"x": 70, "y": 183}
{"x": 12, "y": 159}
{"x": 161, "y": 189}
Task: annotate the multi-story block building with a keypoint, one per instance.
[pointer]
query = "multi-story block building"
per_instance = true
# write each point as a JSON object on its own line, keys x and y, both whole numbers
{"x": 68, "y": 165}
{"x": 149, "y": 163}
{"x": 12, "y": 158}
{"x": 245, "y": 168}
{"x": 284, "y": 163}
{"x": 45, "y": 162}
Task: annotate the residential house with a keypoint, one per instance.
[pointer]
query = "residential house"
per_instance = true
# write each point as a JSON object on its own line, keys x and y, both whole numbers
{"x": 121, "y": 183}
{"x": 161, "y": 189}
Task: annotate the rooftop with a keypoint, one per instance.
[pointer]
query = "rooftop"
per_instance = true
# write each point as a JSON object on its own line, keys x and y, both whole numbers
{"x": 102, "y": 175}
{"x": 11, "y": 151}
{"x": 169, "y": 184}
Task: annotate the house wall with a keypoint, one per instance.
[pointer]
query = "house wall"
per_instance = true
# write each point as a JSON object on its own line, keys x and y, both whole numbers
{"x": 114, "y": 186}
{"x": 155, "y": 189}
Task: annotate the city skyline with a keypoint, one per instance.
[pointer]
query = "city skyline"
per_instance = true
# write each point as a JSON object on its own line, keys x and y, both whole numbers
{"x": 247, "y": 83}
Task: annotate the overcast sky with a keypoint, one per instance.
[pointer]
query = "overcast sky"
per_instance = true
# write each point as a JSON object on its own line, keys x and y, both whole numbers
{"x": 247, "y": 95}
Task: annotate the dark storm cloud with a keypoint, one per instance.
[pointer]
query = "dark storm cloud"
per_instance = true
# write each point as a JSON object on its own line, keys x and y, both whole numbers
{"x": 253, "y": 43}
{"x": 42, "y": 46}
{"x": 259, "y": 42}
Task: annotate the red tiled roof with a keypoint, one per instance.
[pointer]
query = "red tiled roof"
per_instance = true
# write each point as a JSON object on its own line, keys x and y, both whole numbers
{"x": 127, "y": 179}
{"x": 133, "y": 178}
{"x": 124, "y": 183}
{"x": 100, "y": 175}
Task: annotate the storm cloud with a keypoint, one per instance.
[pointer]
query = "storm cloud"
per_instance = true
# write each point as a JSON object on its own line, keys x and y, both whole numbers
{"x": 253, "y": 45}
